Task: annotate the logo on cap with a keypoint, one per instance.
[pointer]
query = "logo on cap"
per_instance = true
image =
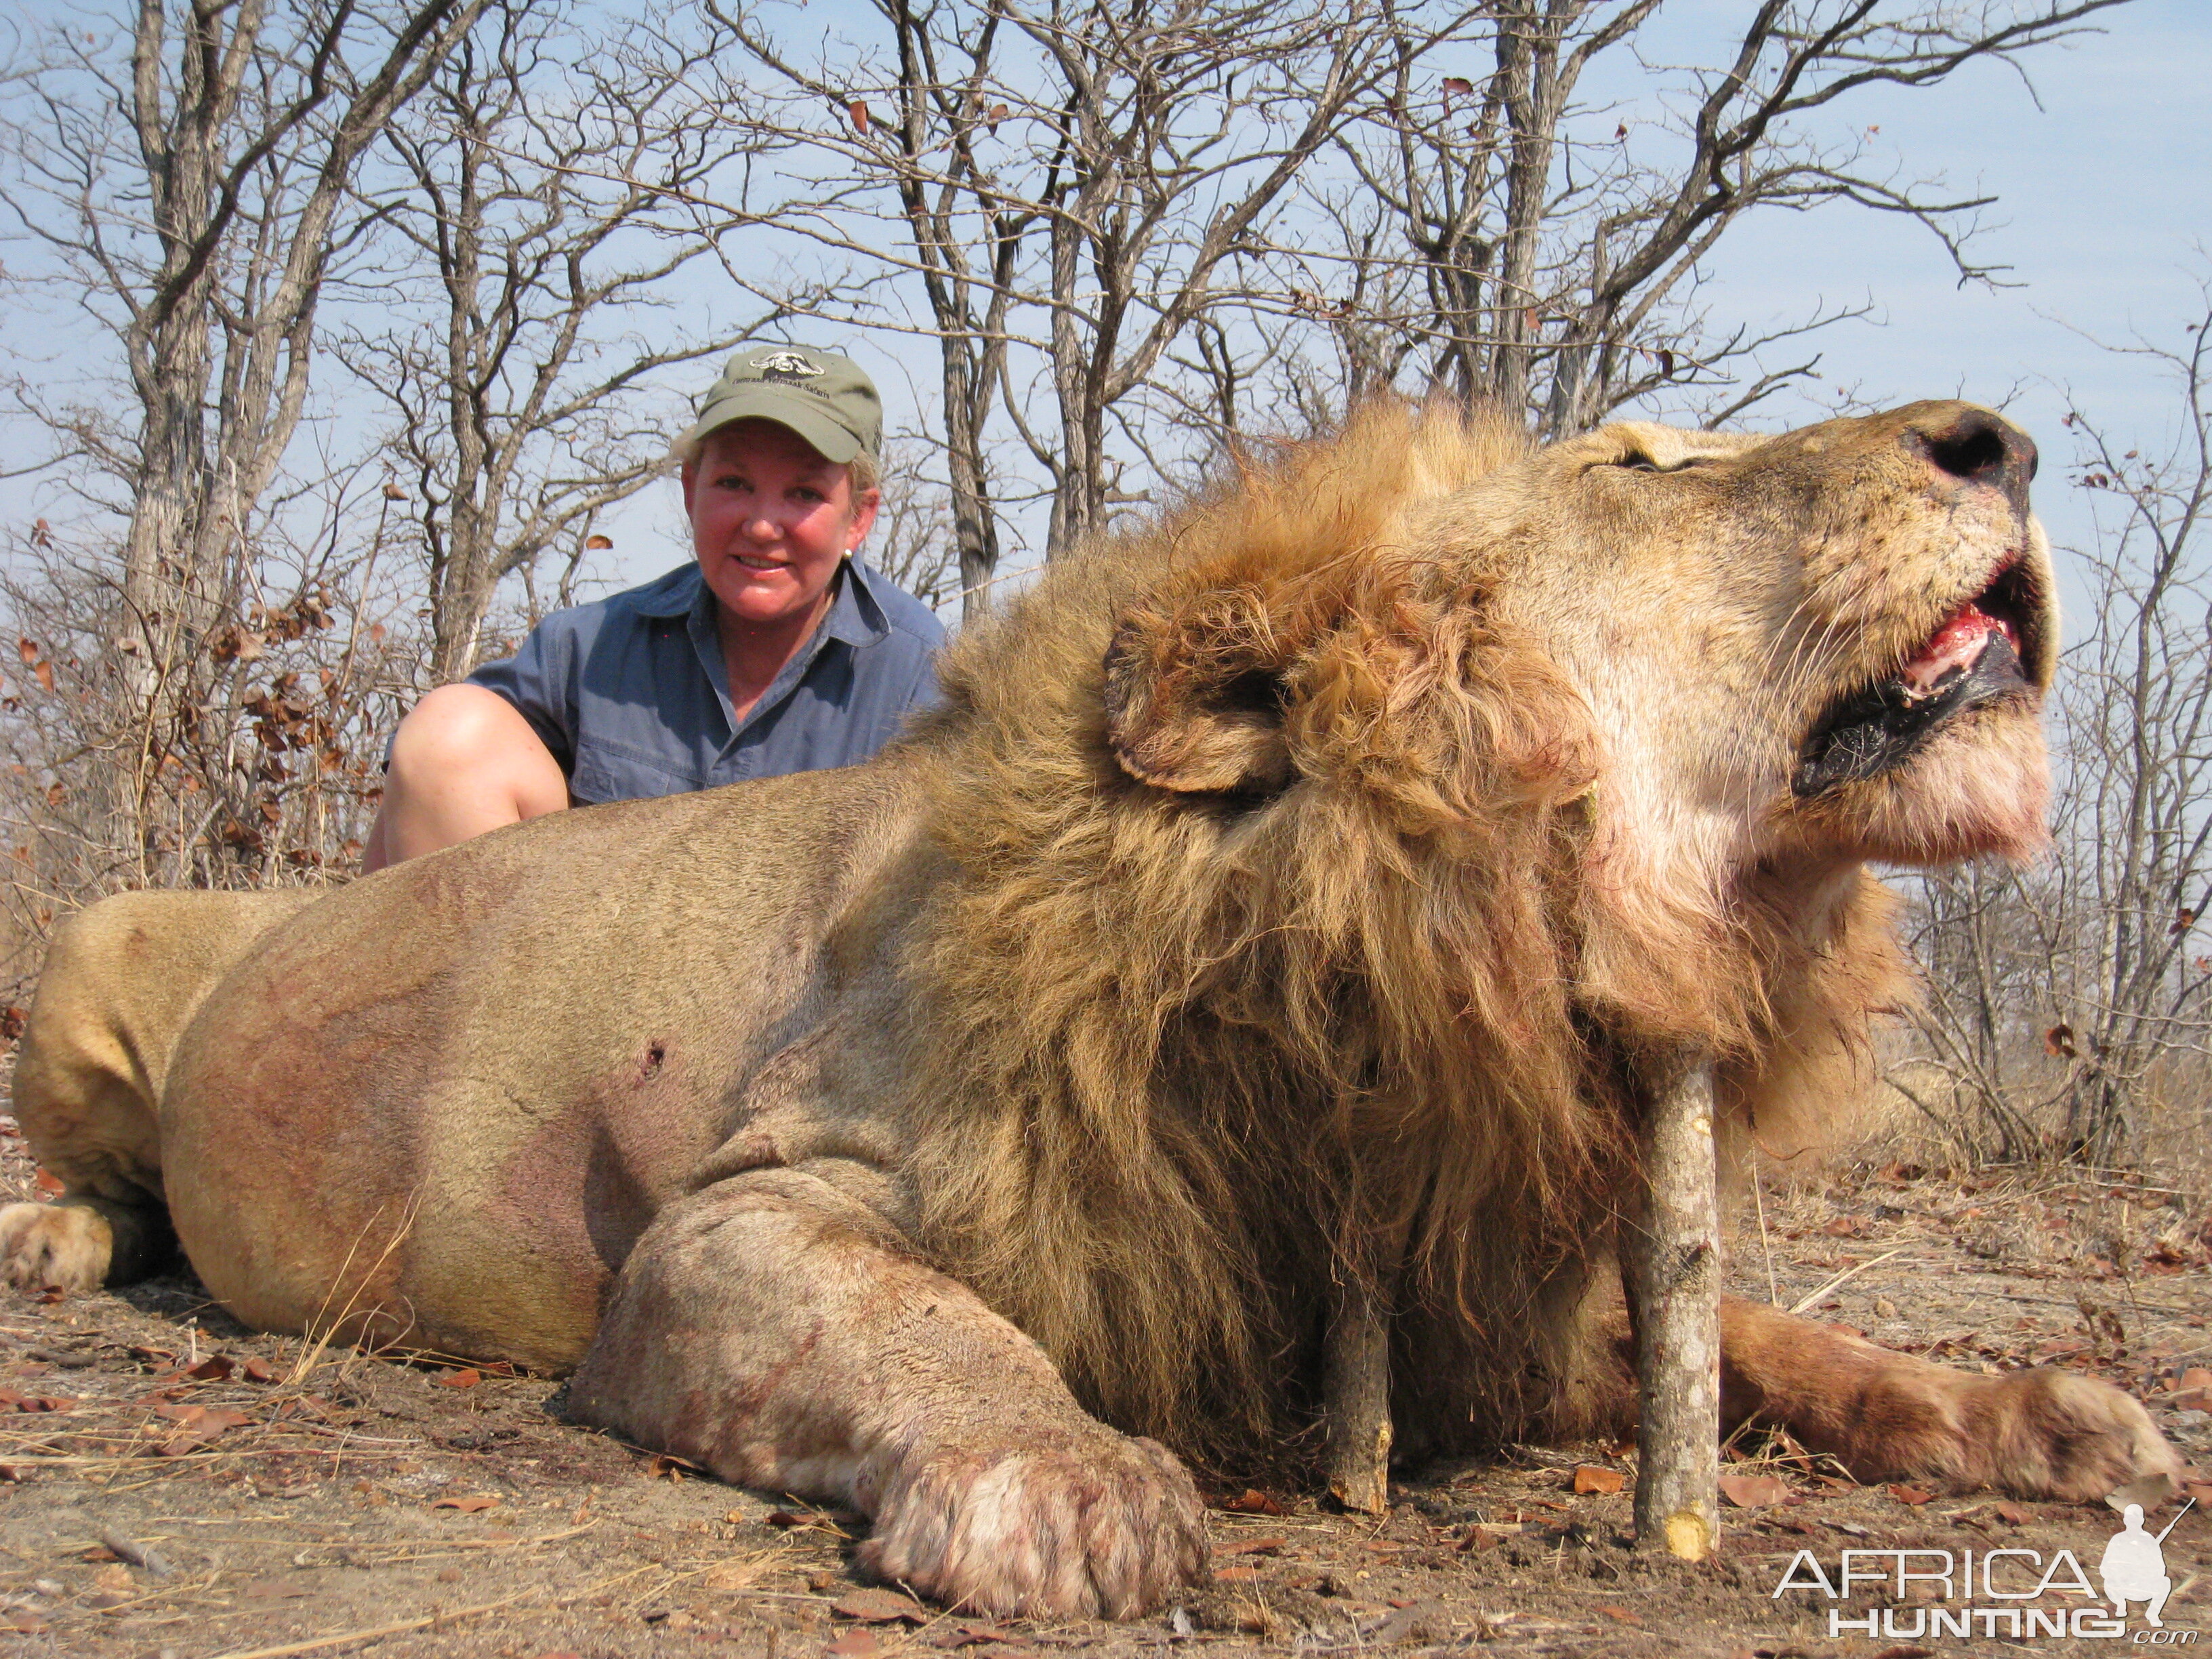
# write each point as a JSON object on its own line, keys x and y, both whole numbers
{"x": 786, "y": 366}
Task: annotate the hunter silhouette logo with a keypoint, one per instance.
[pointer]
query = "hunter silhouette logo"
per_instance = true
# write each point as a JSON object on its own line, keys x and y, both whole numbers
{"x": 2133, "y": 1567}
{"x": 787, "y": 366}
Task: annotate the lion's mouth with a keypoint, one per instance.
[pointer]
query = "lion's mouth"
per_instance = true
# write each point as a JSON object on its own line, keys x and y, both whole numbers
{"x": 1973, "y": 660}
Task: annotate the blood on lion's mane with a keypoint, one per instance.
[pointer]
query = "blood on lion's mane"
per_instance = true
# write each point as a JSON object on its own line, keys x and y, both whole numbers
{"x": 1188, "y": 1057}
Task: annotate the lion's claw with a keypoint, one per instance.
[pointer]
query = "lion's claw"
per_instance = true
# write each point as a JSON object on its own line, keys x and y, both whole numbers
{"x": 1094, "y": 1526}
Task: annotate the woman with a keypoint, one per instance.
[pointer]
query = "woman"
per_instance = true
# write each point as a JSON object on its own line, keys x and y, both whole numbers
{"x": 775, "y": 650}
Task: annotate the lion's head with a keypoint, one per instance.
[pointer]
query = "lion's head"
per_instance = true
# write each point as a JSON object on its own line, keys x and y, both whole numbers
{"x": 1342, "y": 845}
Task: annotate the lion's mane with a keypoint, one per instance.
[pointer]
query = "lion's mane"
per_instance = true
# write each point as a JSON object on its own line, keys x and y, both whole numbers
{"x": 1188, "y": 1057}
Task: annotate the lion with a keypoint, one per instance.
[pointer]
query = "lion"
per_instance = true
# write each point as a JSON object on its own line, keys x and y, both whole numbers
{"x": 1289, "y": 903}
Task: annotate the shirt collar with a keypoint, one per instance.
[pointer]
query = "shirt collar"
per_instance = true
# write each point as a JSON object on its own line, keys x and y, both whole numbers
{"x": 856, "y": 613}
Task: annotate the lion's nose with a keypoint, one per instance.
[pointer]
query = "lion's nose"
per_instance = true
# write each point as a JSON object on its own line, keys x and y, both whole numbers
{"x": 1976, "y": 447}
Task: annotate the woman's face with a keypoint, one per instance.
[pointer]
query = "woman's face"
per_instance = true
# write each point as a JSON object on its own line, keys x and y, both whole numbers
{"x": 770, "y": 519}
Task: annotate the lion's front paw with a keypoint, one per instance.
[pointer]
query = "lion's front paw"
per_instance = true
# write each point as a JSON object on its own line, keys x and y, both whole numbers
{"x": 2052, "y": 1435}
{"x": 67, "y": 1245}
{"x": 1093, "y": 1526}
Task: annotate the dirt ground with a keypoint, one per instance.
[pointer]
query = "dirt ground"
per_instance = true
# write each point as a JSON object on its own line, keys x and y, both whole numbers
{"x": 173, "y": 1485}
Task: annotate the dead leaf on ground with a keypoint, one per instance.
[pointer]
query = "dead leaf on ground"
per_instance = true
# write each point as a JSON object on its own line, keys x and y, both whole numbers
{"x": 854, "y": 1644}
{"x": 1235, "y": 1575}
{"x": 2012, "y": 1514}
{"x": 1754, "y": 1491}
{"x": 1590, "y": 1477}
{"x": 964, "y": 1636}
{"x": 880, "y": 1606}
{"x": 214, "y": 1419}
{"x": 12, "y": 1401}
{"x": 467, "y": 1378}
{"x": 260, "y": 1371}
{"x": 1255, "y": 1546}
{"x": 1253, "y": 1502}
{"x": 2193, "y": 1390}
{"x": 469, "y": 1505}
{"x": 1905, "y": 1494}
{"x": 2149, "y": 1492}
{"x": 830, "y": 1521}
{"x": 1622, "y": 1615}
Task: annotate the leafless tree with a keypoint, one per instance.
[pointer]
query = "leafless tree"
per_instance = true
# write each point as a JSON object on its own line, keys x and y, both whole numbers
{"x": 1499, "y": 238}
{"x": 192, "y": 196}
{"x": 1070, "y": 184}
{"x": 545, "y": 192}
{"x": 912, "y": 543}
{"x": 2063, "y": 999}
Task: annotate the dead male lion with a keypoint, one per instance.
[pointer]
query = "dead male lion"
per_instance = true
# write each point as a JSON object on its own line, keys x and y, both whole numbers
{"x": 1285, "y": 897}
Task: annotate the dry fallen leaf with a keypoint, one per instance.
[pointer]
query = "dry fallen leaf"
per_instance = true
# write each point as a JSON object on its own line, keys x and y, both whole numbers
{"x": 1754, "y": 1491}
{"x": 467, "y": 1378}
{"x": 2012, "y": 1514}
{"x": 1905, "y": 1494}
{"x": 2149, "y": 1492}
{"x": 1253, "y": 1501}
{"x": 12, "y": 1401}
{"x": 467, "y": 1505}
{"x": 880, "y": 1606}
{"x": 1255, "y": 1546}
{"x": 854, "y": 1644}
{"x": 1590, "y": 1477}
{"x": 964, "y": 1636}
{"x": 1235, "y": 1575}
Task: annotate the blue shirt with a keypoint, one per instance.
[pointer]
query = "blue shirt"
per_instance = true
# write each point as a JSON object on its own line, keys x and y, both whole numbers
{"x": 631, "y": 694}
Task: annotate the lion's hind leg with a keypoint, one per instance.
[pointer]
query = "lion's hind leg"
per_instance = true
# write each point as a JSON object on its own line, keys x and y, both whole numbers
{"x": 98, "y": 1134}
{"x": 121, "y": 982}
{"x": 81, "y": 1243}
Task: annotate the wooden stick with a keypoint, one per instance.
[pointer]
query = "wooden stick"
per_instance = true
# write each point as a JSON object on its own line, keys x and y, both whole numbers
{"x": 1356, "y": 1397}
{"x": 1674, "y": 1286}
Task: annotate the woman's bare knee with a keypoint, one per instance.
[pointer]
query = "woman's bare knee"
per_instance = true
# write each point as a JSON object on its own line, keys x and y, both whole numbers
{"x": 463, "y": 762}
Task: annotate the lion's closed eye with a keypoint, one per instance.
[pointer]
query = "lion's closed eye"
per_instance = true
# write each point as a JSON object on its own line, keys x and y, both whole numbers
{"x": 1640, "y": 462}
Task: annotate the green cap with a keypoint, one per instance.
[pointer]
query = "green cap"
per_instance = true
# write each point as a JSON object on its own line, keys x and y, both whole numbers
{"x": 827, "y": 399}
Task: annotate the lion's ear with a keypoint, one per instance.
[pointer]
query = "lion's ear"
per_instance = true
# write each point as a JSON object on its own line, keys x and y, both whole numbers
{"x": 1194, "y": 695}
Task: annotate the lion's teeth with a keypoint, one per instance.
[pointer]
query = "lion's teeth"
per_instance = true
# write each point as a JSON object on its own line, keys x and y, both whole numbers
{"x": 1958, "y": 644}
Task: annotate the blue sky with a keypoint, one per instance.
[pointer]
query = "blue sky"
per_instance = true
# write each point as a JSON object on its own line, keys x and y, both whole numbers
{"x": 2103, "y": 212}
